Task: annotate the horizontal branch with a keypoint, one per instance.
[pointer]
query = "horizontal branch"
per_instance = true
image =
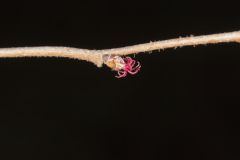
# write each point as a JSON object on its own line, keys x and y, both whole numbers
{"x": 66, "y": 52}
{"x": 97, "y": 56}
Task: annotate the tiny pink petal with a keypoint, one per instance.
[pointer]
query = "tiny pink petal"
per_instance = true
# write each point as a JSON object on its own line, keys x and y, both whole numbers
{"x": 129, "y": 67}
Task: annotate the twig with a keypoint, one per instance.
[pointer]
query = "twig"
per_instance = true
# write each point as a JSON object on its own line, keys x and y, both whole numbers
{"x": 98, "y": 57}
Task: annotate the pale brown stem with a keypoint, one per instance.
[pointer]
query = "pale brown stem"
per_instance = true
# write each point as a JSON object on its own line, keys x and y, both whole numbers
{"x": 97, "y": 56}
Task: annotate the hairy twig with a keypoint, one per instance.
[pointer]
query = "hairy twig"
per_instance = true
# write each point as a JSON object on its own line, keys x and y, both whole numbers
{"x": 98, "y": 57}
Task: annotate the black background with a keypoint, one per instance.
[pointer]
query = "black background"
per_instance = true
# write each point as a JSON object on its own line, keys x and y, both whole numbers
{"x": 182, "y": 105}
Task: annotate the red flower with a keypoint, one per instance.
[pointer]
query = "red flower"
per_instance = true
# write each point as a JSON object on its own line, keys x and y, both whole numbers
{"x": 130, "y": 66}
{"x": 123, "y": 66}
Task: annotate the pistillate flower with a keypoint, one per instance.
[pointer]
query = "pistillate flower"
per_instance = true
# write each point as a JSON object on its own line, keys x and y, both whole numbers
{"x": 123, "y": 65}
